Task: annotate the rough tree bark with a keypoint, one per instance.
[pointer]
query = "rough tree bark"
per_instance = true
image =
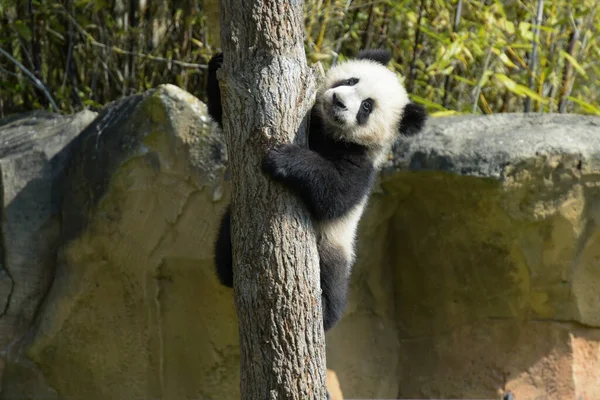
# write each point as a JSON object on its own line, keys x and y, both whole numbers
{"x": 267, "y": 90}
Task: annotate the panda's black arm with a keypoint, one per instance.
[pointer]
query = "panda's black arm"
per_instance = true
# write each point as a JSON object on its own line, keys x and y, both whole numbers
{"x": 328, "y": 188}
{"x": 213, "y": 92}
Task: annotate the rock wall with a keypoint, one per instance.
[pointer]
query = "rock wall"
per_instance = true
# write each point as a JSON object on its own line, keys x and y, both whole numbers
{"x": 478, "y": 260}
{"x": 34, "y": 149}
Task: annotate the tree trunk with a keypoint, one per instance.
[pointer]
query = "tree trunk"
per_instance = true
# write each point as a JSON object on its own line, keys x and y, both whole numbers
{"x": 267, "y": 91}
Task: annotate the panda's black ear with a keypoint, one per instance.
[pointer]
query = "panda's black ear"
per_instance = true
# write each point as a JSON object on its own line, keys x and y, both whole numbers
{"x": 413, "y": 119}
{"x": 381, "y": 56}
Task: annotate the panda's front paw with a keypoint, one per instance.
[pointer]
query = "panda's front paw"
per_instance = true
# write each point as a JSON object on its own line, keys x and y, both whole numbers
{"x": 276, "y": 161}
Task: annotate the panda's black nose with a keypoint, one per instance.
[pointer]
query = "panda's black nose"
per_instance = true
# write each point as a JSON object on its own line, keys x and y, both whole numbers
{"x": 337, "y": 103}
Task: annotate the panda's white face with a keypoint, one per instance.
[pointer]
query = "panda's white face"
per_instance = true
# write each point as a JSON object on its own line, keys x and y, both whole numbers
{"x": 362, "y": 101}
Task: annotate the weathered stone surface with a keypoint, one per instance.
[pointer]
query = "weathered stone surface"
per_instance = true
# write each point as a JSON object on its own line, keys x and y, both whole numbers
{"x": 33, "y": 153}
{"x": 135, "y": 310}
{"x": 485, "y": 146}
{"x": 478, "y": 265}
{"x": 494, "y": 246}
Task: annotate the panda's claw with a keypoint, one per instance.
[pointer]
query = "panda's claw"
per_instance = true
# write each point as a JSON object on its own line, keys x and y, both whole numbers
{"x": 274, "y": 163}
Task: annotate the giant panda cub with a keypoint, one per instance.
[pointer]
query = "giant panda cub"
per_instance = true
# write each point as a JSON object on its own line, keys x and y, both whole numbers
{"x": 360, "y": 110}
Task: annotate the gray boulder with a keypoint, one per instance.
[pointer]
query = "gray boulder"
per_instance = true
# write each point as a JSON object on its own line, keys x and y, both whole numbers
{"x": 33, "y": 153}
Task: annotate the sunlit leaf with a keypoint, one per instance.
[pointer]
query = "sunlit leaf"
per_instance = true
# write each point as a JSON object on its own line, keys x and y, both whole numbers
{"x": 573, "y": 62}
{"x": 522, "y": 46}
{"x": 508, "y": 26}
{"x": 320, "y": 56}
{"x": 445, "y": 113}
{"x": 435, "y": 35}
{"x": 525, "y": 30}
{"x": 590, "y": 108}
{"x": 464, "y": 80}
{"x": 427, "y": 103}
{"x": 547, "y": 29}
{"x": 485, "y": 78}
{"x": 447, "y": 71}
{"x": 504, "y": 58}
{"x": 197, "y": 42}
{"x": 518, "y": 89}
{"x": 516, "y": 56}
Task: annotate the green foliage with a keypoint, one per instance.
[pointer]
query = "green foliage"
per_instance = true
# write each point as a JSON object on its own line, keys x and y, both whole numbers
{"x": 480, "y": 62}
{"x": 90, "y": 52}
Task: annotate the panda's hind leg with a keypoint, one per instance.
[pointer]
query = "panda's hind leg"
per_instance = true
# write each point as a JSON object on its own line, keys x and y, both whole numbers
{"x": 223, "y": 255}
{"x": 334, "y": 266}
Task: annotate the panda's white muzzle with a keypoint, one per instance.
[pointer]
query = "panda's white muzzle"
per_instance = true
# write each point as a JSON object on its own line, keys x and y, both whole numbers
{"x": 341, "y": 105}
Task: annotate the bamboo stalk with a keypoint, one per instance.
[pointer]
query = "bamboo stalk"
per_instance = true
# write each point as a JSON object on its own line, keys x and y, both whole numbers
{"x": 588, "y": 26}
{"x": 411, "y": 69}
{"x": 33, "y": 78}
{"x": 568, "y": 70}
{"x": 448, "y": 80}
{"x": 533, "y": 60}
{"x": 118, "y": 50}
{"x": 368, "y": 33}
{"x": 477, "y": 90}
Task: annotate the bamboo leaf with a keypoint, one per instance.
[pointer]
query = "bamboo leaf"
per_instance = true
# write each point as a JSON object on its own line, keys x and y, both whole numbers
{"x": 504, "y": 58}
{"x": 525, "y": 31}
{"x": 485, "y": 78}
{"x": 198, "y": 43}
{"x": 320, "y": 56}
{"x": 435, "y": 36}
{"x": 586, "y": 106}
{"x": 574, "y": 63}
{"x": 508, "y": 26}
{"x": 428, "y": 103}
{"x": 465, "y": 80}
{"x": 518, "y": 89}
{"x": 445, "y": 113}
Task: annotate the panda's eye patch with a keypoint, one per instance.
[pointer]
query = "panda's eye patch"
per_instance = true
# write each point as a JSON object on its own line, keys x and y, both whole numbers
{"x": 367, "y": 105}
{"x": 346, "y": 82}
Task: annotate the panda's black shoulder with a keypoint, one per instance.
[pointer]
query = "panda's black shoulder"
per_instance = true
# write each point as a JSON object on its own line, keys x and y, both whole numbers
{"x": 316, "y": 129}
